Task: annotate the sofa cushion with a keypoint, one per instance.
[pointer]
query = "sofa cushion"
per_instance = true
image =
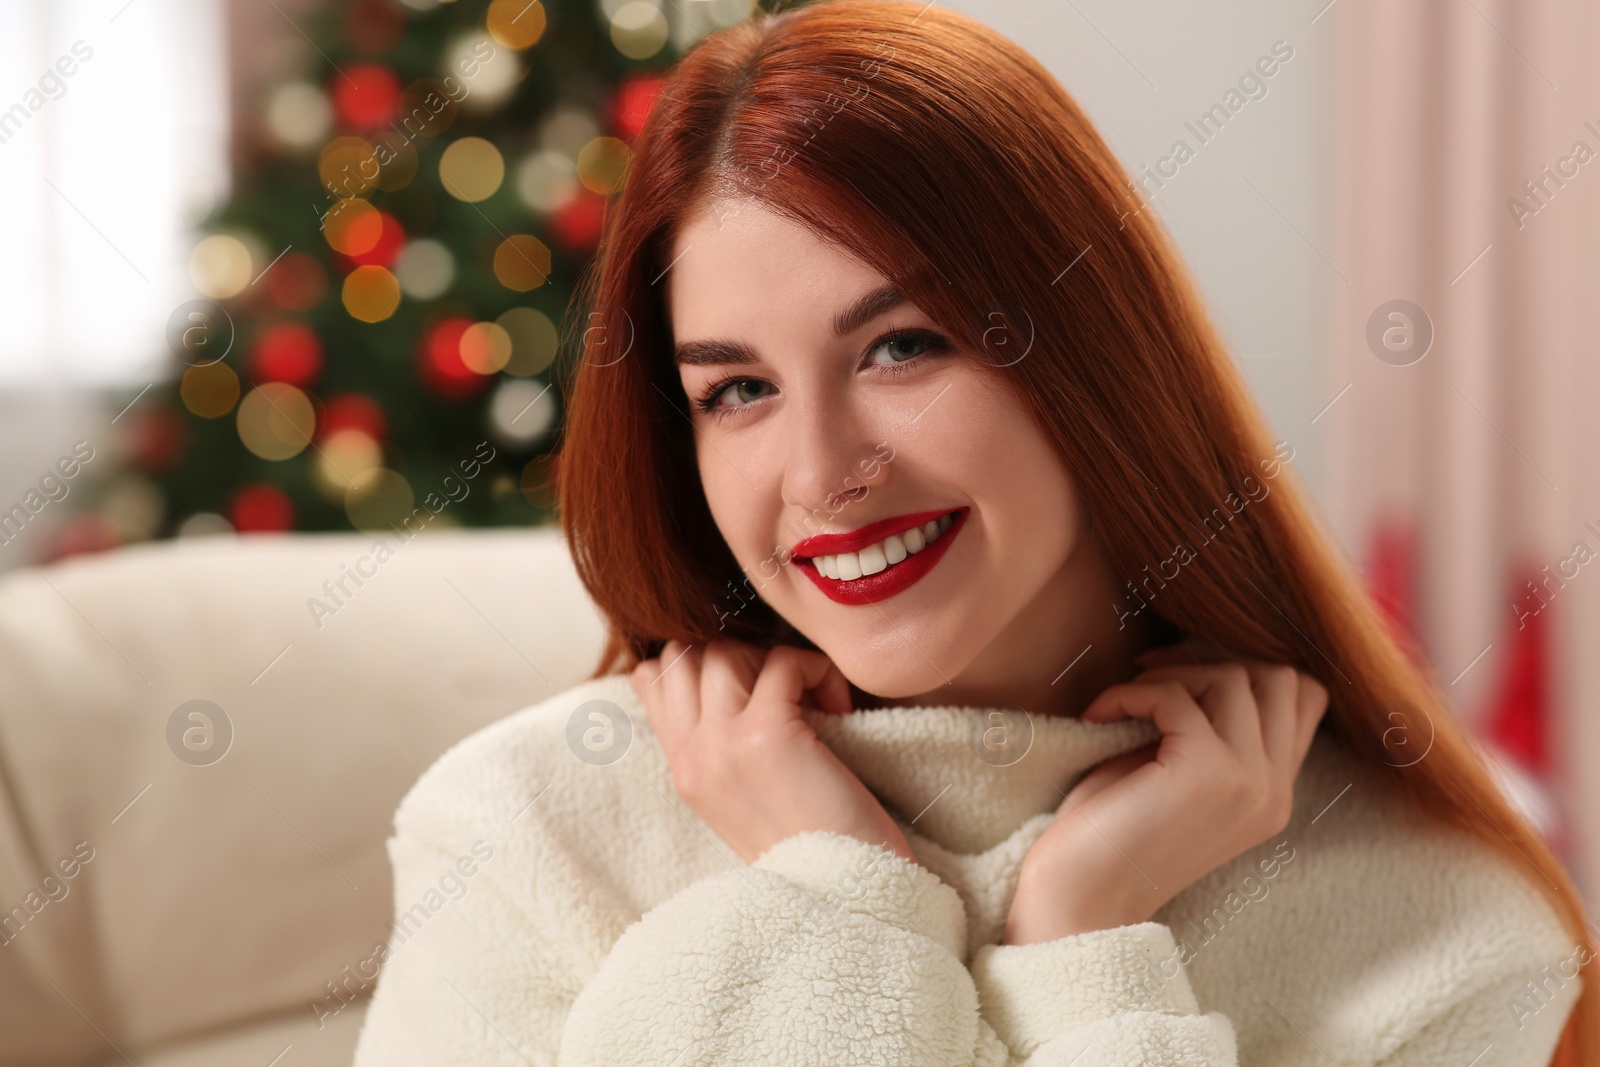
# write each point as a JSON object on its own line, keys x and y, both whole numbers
{"x": 206, "y": 890}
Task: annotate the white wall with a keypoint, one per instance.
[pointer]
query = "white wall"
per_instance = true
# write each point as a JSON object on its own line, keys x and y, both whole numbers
{"x": 1249, "y": 210}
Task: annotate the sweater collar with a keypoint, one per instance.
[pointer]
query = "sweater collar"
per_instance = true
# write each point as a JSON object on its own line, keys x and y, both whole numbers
{"x": 967, "y": 778}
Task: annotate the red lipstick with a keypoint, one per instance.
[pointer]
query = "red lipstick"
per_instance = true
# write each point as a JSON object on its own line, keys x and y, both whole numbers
{"x": 886, "y": 583}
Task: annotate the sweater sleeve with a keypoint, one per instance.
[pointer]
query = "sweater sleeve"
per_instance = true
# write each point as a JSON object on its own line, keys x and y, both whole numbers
{"x": 829, "y": 950}
{"x": 1097, "y": 999}
{"x": 1519, "y": 1015}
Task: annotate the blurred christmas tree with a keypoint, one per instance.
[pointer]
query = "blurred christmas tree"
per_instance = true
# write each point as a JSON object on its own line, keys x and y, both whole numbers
{"x": 381, "y": 297}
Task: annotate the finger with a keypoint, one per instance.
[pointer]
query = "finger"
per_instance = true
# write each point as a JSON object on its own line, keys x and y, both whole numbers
{"x": 1224, "y": 693}
{"x": 678, "y": 683}
{"x": 1311, "y": 704}
{"x": 728, "y": 672}
{"x": 1277, "y": 689}
{"x": 1168, "y": 703}
{"x": 1109, "y": 771}
{"x": 789, "y": 672}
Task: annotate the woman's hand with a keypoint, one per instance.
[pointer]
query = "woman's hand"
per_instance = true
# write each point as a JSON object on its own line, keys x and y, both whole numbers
{"x": 1141, "y": 827}
{"x": 741, "y": 753}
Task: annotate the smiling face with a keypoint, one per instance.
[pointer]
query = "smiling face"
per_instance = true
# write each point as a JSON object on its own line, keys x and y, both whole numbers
{"x": 825, "y": 405}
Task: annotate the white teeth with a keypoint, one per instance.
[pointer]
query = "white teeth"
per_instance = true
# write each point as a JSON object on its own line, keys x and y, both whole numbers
{"x": 848, "y": 566}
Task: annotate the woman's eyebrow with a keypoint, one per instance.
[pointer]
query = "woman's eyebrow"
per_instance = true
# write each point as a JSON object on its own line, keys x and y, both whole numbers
{"x": 714, "y": 353}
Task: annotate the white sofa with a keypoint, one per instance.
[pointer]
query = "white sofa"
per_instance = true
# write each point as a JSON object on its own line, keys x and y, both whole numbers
{"x": 211, "y": 899}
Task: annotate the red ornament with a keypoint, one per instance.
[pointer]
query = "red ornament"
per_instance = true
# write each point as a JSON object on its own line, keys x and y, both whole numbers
{"x": 373, "y": 26}
{"x": 391, "y": 239}
{"x": 287, "y": 352}
{"x": 578, "y": 224}
{"x": 297, "y": 282}
{"x": 156, "y": 437}
{"x": 365, "y": 96}
{"x": 261, "y": 508}
{"x": 354, "y": 411}
{"x": 440, "y": 364}
{"x": 631, "y": 104}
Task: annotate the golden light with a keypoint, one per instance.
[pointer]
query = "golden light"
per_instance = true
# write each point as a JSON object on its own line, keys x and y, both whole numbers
{"x": 516, "y": 23}
{"x": 371, "y": 293}
{"x": 603, "y": 164}
{"x": 486, "y": 347}
{"x": 534, "y": 339}
{"x": 638, "y": 29}
{"x": 276, "y": 420}
{"x": 471, "y": 169}
{"x": 522, "y": 262}
{"x": 220, "y": 266}
{"x": 380, "y": 501}
{"x": 348, "y": 167}
{"x": 210, "y": 390}
{"x": 341, "y": 460}
{"x": 353, "y": 227}
{"x": 397, "y": 160}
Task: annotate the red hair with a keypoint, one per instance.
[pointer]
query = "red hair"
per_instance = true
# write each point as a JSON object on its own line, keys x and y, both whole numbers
{"x": 949, "y": 160}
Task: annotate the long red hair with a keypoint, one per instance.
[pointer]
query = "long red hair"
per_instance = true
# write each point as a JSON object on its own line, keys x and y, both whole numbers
{"x": 948, "y": 159}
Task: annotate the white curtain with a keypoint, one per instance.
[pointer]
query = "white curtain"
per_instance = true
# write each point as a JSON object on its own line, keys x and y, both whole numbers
{"x": 1467, "y": 472}
{"x": 113, "y": 140}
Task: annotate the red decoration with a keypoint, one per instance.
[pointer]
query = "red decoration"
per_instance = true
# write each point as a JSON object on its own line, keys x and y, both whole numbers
{"x": 1518, "y": 719}
{"x": 577, "y": 226}
{"x": 1391, "y": 580}
{"x": 156, "y": 437}
{"x": 287, "y": 352}
{"x": 297, "y": 282}
{"x": 373, "y": 26}
{"x": 631, "y": 104}
{"x": 261, "y": 508}
{"x": 354, "y": 411}
{"x": 365, "y": 96}
{"x": 383, "y": 253}
{"x": 440, "y": 364}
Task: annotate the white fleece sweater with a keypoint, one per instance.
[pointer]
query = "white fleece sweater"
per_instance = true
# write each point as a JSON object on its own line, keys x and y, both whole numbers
{"x": 554, "y": 909}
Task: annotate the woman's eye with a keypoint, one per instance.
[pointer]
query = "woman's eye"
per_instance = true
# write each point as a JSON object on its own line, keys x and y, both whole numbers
{"x": 902, "y": 347}
{"x": 716, "y": 399}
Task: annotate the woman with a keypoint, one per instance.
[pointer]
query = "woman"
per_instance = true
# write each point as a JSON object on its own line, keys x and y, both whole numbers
{"x": 996, "y": 699}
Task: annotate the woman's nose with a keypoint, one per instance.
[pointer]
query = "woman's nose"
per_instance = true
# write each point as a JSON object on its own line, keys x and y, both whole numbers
{"x": 824, "y": 458}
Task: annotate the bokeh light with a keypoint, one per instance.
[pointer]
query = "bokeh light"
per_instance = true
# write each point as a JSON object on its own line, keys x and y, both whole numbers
{"x": 471, "y": 169}
{"x": 426, "y": 269}
{"x": 209, "y": 390}
{"x": 276, "y": 421}
{"x": 522, "y": 262}
{"x": 534, "y": 339}
{"x": 371, "y": 293}
{"x": 220, "y": 266}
